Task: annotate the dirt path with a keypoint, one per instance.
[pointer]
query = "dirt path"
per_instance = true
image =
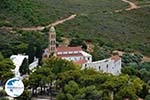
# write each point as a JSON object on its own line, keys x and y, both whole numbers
{"x": 143, "y": 6}
{"x": 61, "y": 21}
{"x": 39, "y": 28}
{"x": 132, "y": 5}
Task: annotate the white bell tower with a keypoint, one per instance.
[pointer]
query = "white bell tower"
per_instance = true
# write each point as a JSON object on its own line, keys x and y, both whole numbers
{"x": 52, "y": 41}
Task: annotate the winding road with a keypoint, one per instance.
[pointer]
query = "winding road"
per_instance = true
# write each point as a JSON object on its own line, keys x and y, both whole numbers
{"x": 39, "y": 28}
{"x": 132, "y": 6}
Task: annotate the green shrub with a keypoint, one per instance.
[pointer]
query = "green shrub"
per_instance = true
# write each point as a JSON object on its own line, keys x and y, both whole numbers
{"x": 4, "y": 99}
{"x": 147, "y": 97}
{"x": 2, "y": 93}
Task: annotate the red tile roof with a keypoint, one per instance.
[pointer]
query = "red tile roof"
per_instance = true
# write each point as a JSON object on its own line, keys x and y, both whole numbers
{"x": 115, "y": 58}
{"x": 62, "y": 49}
{"x": 69, "y": 55}
{"x": 81, "y": 61}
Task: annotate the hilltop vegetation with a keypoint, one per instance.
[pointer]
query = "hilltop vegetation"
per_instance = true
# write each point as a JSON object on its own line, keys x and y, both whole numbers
{"x": 96, "y": 20}
{"x": 20, "y": 13}
{"x": 30, "y": 43}
{"x": 37, "y": 12}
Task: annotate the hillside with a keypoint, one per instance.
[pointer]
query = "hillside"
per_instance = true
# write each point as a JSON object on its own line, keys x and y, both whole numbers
{"x": 37, "y": 12}
{"x": 96, "y": 20}
{"x": 113, "y": 64}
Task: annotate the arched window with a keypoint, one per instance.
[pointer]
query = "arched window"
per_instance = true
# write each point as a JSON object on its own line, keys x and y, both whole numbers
{"x": 99, "y": 68}
{"x": 85, "y": 65}
{"x": 107, "y": 67}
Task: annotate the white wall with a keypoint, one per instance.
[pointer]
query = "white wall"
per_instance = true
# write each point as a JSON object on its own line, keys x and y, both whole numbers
{"x": 17, "y": 60}
{"x": 87, "y": 56}
{"x": 73, "y": 58}
{"x": 107, "y": 65}
{"x": 68, "y": 52}
{"x": 59, "y": 53}
{"x": 117, "y": 67}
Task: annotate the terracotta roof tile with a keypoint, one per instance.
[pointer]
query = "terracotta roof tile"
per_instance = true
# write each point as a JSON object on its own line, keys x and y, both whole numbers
{"x": 69, "y": 55}
{"x": 81, "y": 61}
{"x": 61, "y": 49}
